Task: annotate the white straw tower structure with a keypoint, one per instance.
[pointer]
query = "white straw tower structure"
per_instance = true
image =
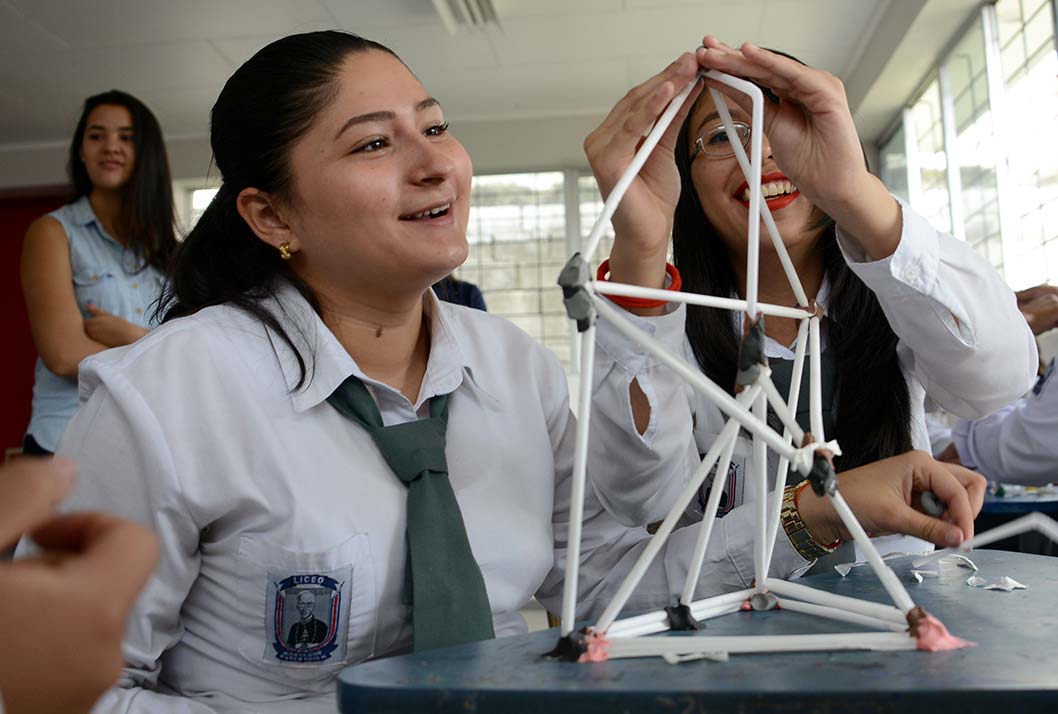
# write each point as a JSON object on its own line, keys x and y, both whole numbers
{"x": 900, "y": 626}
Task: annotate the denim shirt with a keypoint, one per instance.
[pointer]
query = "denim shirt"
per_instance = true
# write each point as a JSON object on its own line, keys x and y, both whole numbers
{"x": 104, "y": 274}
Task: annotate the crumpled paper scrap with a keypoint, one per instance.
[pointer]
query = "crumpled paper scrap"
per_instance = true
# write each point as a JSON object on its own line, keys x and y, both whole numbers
{"x": 844, "y": 568}
{"x": 918, "y": 575}
{"x": 1003, "y": 583}
{"x": 673, "y": 658}
{"x": 961, "y": 560}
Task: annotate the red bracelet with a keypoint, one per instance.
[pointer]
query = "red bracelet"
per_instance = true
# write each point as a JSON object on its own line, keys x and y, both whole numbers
{"x": 797, "y": 495}
{"x": 675, "y": 284}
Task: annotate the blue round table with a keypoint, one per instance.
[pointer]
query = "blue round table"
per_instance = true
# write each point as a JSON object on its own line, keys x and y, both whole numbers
{"x": 1021, "y": 504}
{"x": 1014, "y": 667}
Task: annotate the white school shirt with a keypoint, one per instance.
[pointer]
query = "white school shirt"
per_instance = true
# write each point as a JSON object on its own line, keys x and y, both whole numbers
{"x": 258, "y": 490}
{"x": 1019, "y": 443}
{"x": 961, "y": 340}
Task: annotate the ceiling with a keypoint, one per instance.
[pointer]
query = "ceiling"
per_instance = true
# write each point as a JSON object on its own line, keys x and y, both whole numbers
{"x": 549, "y": 58}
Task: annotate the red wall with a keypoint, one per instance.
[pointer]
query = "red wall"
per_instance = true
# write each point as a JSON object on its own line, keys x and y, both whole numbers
{"x": 18, "y": 355}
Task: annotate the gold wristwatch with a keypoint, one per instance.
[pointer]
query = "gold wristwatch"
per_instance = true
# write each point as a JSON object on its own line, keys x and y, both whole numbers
{"x": 802, "y": 541}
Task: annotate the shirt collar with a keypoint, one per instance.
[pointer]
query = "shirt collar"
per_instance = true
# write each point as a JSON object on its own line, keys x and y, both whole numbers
{"x": 328, "y": 364}
{"x": 81, "y": 212}
{"x": 773, "y": 349}
{"x": 83, "y": 215}
{"x": 449, "y": 361}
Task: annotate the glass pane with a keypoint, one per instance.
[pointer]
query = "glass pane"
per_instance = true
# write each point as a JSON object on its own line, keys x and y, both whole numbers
{"x": 894, "y": 165}
{"x": 932, "y": 162}
{"x": 975, "y": 144}
{"x": 1039, "y": 31}
{"x": 590, "y": 202}
{"x": 1031, "y": 105}
{"x": 517, "y": 235}
{"x": 1008, "y": 15}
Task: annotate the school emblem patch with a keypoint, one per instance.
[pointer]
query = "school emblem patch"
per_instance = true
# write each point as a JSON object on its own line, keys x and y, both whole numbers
{"x": 306, "y": 618}
{"x": 732, "y": 485}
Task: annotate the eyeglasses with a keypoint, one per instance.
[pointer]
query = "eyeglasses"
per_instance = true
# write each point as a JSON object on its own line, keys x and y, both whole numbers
{"x": 716, "y": 143}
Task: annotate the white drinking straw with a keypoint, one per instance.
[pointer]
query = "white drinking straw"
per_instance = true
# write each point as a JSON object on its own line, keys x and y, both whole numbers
{"x": 724, "y": 401}
{"x": 835, "y": 613}
{"x": 705, "y": 528}
{"x": 784, "y": 464}
{"x": 640, "y": 158}
{"x": 780, "y": 408}
{"x": 628, "y": 585}
{"x": 744, "y": 644}
{"x": 759, "y": 464}
{"x": 885, "y": 574}
{"x": 841, "y": 602}
{"x": 1032, "y": 522}
{"x": 580, "y": 468}
{"x": 658, "y": 620}
{"x": 752, "y": 176}
{"x": 815, "y": 380}
{"x": 765, "y": 212}
{"x": 605, "y": 287}
{"x": 661, "y": 625}
{"x": 737, "y": 597}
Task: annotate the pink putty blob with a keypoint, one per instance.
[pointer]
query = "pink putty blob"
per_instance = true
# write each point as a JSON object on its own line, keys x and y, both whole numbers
{"x": 933, "y": 636}
{"x": 598, "y": 648}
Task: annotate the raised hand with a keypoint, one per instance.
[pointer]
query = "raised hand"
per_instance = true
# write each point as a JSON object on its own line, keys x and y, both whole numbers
{"x": 813, "y": 140}
{"x": 63, "y": 612}
{"x": 643, "y": 222}
{"x": 1039, "y": 305}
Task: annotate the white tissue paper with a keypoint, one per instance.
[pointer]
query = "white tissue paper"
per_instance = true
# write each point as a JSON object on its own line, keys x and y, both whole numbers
{"x": 1002, "y": 583}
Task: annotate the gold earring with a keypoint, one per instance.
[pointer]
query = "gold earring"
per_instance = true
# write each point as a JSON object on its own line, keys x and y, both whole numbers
{"x": 284, "y": 250}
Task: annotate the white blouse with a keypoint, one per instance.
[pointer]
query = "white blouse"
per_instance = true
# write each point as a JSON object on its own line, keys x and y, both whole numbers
{"x": 962, "y": 341}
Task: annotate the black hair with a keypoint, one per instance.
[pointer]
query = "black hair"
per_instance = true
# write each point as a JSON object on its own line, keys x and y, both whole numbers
{"x": 873, "y": 410}
{"x": 146, "y": 220}
{"x": 264, "y": 108}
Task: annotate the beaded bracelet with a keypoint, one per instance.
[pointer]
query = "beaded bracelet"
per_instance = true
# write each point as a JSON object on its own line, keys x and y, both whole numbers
{"x": 634, "y": 303}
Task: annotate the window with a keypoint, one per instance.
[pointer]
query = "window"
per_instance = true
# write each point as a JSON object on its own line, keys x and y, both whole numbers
{"x": 926, "y": 128}
{"x": 973, "y": 130}
{"x": 589, "y": 201}
{"x": 894, "y": 169}
{"x": 1029, "y": 67}
{"x": 977, "y": 152}
{"x": 517, "y": 235}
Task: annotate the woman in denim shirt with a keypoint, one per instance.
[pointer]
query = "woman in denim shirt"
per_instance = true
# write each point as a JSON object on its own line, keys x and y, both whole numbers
{"x": 92, "y": 269}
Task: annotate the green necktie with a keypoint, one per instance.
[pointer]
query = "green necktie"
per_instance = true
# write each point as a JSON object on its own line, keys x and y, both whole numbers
{"x": 443, "y": 582}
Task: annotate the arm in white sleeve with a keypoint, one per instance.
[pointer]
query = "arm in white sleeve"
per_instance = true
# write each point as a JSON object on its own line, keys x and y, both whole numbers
{"x": 610, "y": 549}
{"x": 1017, "y": 444}
{"x": 939, "y": 434}
{"x": 958, "y": 322}
{"x": 125, "y": 468}
{"x": 637, "y": 476}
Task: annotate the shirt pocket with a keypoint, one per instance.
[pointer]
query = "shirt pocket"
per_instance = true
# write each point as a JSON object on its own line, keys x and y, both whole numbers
{"x": 96, "y": 287}
{"x": 318, "y": 611}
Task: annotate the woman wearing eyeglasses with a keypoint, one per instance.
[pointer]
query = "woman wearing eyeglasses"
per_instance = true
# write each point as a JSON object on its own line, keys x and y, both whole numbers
{"x": 908, "y": 310}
